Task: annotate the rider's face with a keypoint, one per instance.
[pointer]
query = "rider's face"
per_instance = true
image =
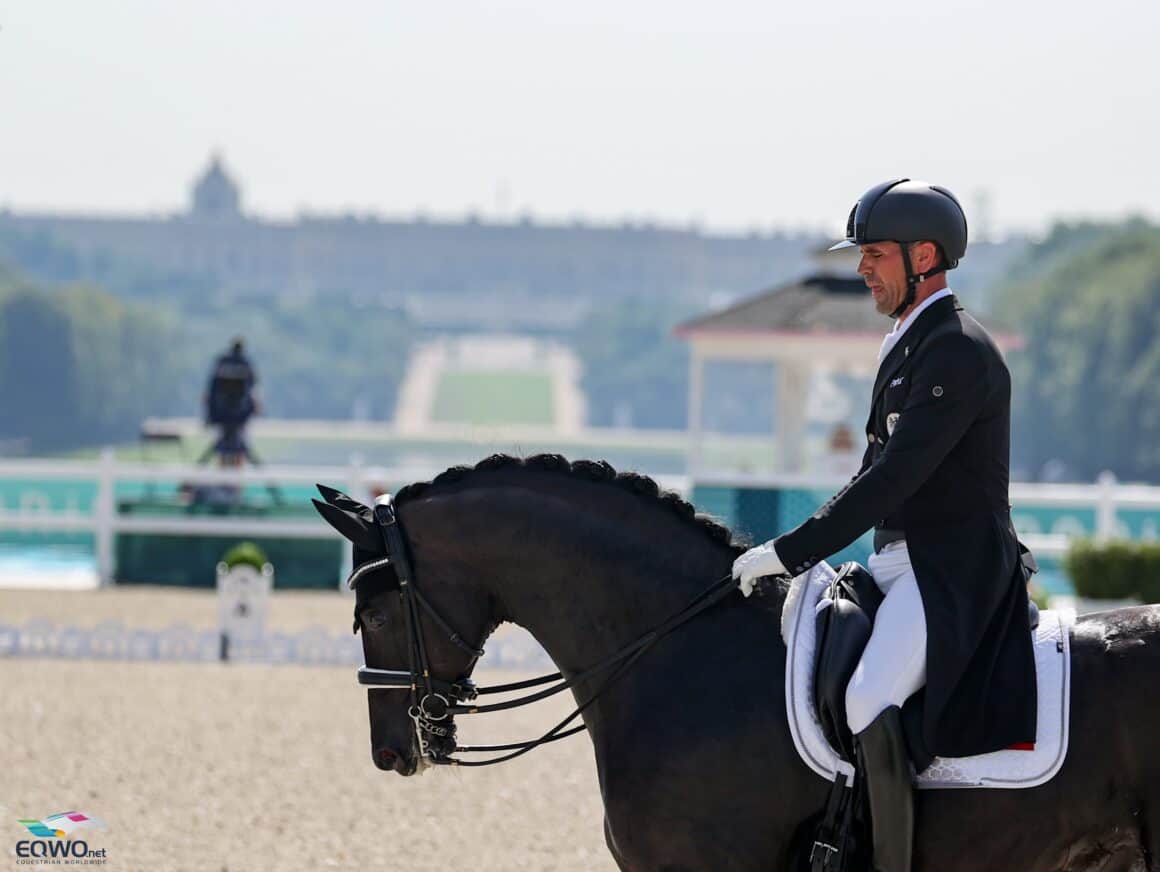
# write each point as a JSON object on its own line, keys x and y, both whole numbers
{"x": 883, "y": 271}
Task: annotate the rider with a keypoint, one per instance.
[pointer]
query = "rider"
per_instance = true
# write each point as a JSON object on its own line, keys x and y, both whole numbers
{"x": 231, "y": 400}
{"x": 933, "y": 485}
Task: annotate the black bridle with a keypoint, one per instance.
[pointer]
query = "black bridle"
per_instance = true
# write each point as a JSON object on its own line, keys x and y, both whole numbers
{"x": 434, "y": 700}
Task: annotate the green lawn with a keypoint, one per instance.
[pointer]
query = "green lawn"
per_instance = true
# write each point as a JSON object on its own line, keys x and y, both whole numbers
{"x": 486, "y": 398}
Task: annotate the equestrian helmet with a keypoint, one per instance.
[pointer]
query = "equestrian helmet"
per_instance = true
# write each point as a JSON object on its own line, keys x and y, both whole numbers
{"x": 903, "y": 210}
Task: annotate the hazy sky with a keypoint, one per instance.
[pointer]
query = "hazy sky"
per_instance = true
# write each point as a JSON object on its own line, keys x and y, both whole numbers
{"x": 731, "y": 114}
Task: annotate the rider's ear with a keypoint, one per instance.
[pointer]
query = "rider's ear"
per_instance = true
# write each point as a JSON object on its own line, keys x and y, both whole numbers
{"x": 353, "y": 527}
{"x": 927, "y": 256}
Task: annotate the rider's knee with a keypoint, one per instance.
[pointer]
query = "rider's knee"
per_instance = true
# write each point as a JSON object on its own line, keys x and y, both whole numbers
{"x": 863, "y": 705}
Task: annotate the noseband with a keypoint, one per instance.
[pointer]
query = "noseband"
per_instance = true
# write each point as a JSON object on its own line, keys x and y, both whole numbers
{"x": 434, "y": 700}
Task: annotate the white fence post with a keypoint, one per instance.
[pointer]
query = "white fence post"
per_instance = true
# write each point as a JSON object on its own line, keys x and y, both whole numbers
{"x": 1106, "y": 506}
{"x": 359, "y": 488}
{"x": 105, "y": 512}
{"x": 695, "y": 412}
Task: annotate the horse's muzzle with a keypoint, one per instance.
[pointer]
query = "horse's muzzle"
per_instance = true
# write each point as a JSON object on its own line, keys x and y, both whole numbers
{"x": 390, "y": 760}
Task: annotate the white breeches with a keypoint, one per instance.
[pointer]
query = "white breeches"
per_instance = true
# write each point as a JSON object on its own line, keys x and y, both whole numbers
{"x": 893, "y": 666}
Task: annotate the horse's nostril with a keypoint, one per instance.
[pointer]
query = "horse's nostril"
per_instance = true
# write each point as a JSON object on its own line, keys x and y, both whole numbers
{"x": 390, "y": 760}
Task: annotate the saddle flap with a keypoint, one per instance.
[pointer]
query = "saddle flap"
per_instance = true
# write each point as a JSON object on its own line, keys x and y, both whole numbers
{"x": 843, "y": 629}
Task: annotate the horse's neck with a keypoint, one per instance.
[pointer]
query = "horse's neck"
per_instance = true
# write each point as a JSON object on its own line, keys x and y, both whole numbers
{"x": 585, "y": 591}
{"x": 582, "y": 611}
{"x": 586, "y": 608}
{"x": 589, "y": 569}
{"x": 684, "y": 691}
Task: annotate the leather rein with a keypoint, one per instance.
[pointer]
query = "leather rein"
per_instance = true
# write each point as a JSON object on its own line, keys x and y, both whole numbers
{"x": 434, "y": 700}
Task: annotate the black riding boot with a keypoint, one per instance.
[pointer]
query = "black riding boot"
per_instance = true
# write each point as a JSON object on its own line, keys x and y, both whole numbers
{"x": 886, "y": 764}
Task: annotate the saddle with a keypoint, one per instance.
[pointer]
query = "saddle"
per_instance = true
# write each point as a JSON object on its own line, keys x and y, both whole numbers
{"x": 844, "y": 620}
{"x": 844, "y": 616}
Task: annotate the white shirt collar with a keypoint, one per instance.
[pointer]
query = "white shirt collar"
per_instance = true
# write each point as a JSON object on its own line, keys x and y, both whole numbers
{"x": 903, "y": 324}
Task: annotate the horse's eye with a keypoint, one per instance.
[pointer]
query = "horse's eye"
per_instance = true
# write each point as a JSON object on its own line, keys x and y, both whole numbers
{"x": 373, "y": 619}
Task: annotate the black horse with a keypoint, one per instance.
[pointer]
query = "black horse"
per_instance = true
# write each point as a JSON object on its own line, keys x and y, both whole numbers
{"x": 696, "y": 765}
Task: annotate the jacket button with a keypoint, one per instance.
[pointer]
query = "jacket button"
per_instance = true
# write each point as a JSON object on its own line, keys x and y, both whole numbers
{"x": 870, "y": 438}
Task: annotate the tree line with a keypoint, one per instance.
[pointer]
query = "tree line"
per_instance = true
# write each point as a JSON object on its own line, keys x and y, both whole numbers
{"x": 78, "y": 366}
{"x": 82, "y": 365}
{"x": 1086, "y": 385}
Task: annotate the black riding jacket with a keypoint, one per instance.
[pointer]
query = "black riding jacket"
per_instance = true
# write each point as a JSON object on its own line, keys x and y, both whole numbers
{"x": 936, "y": 468}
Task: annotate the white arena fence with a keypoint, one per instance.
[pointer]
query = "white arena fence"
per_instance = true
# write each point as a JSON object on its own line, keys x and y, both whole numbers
{"x": 510, "y": 648}
{"x": 26, "y": 506}
{"x": 1048, "y": 516}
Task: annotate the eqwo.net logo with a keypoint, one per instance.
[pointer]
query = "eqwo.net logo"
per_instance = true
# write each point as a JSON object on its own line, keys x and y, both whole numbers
{"x": 61, "y": 826}
{"x": 56, "y": 836}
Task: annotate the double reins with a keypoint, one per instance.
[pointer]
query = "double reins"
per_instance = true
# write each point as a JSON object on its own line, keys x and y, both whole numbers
{"x": 442, "y": 699}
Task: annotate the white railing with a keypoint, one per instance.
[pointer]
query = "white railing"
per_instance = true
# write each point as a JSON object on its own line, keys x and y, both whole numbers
{"x": 35, "y": 513}
{"x": 1106, "y": 497}
{"x": 104, "y": 522}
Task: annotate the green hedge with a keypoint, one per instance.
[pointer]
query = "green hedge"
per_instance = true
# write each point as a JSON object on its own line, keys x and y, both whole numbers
{"x": 1115, "y": 570}
{"x": 245, "y": 554}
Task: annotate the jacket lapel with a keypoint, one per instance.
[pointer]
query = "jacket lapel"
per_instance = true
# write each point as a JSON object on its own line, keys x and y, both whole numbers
{"x": 909, "y": 342}
{"x": 890, "y": 365}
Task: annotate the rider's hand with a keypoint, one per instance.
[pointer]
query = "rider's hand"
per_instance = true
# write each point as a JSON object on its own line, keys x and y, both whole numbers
{"x": 756, "y": 563}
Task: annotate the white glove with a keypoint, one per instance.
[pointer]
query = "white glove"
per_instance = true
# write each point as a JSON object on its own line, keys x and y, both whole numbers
{"x": 757, "y": 563}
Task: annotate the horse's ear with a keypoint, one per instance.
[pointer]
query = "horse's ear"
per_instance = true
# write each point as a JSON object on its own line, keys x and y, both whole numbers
{"x": 340, "y": 500}
{"x": 354, "y": 528}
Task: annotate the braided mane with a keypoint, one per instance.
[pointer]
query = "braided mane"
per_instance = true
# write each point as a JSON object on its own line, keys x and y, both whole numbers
{"x": 584, "y": 470}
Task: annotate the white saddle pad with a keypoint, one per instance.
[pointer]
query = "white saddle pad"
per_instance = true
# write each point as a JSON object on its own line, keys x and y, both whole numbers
{"x": 1003, "y": 769}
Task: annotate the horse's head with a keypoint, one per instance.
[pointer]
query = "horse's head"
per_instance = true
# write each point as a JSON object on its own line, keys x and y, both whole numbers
{"x": 420, "y": 633}
{"x": 584, "y": 558}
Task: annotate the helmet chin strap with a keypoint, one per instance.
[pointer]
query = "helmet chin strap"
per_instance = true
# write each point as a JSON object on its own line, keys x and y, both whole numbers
{"x": 912, "y": 281}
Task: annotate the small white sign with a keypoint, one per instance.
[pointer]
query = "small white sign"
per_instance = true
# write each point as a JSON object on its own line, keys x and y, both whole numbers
{"x": 243, "y": 600}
